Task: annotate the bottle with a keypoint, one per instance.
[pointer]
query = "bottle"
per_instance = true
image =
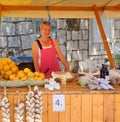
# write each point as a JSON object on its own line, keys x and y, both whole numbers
{"x": 101, "y": 75}
{"x": 102, "y": 71}
{"x": 107, "y": 74}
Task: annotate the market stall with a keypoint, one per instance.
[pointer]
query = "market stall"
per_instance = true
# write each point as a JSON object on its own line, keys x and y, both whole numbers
{"x": 71, "y": 102}
{"x": 63, "y": 98}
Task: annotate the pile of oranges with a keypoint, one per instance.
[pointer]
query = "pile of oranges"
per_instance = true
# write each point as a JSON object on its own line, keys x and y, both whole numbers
{"x": 10, "y": 71}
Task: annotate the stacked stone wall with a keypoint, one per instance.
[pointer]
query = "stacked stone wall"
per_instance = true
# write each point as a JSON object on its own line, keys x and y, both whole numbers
{"x": 73, "y": 35}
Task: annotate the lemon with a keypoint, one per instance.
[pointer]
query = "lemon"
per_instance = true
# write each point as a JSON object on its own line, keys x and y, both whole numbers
{"x": 6, "y": 67}
{"x": 12, "y": 64}
{"x": 42, "y": 75}
{"x": 39, "y": 78}
{"x": 20, "y": 74}
{"x": 8, "y": 60}
{"x": 14, "y": 70}
{"x": 30, "y": 74}
{"x": 8, "y": 73}
{"x": 37, "y": 74}
{"x": 24, "y": 78}
{"x": 1, "y": 66}
{"x": 12, "y": 77}
{"x": 27, "y": 70}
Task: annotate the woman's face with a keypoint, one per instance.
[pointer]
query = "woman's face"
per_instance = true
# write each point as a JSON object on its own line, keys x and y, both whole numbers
{"x": 45, "y": 30}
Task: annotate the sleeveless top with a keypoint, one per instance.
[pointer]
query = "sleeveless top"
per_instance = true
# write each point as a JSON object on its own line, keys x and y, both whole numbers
{"x": 48, "y": 61}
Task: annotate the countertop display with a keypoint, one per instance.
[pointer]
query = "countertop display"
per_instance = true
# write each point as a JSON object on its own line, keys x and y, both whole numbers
{"x": 68, "y": 102}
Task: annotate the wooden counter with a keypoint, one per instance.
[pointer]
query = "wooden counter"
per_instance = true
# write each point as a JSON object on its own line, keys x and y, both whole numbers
{"x": 81, "y": 104}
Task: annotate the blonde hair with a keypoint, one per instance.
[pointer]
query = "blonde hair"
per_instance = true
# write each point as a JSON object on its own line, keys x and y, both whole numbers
{"x": 45, "y": 23}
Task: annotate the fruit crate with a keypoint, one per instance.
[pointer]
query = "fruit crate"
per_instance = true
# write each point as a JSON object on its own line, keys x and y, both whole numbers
{"x": 24, "y": 62}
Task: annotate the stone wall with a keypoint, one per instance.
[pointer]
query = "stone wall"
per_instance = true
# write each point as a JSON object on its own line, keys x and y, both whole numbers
{"x": 16, "y": 36}
{"x": 73, "y": 35}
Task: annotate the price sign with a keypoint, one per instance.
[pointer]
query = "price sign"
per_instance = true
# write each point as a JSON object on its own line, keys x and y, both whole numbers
{"x": 58, "y": 103}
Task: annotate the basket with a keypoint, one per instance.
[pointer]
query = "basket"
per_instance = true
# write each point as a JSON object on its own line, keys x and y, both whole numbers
{"x": 69, "y": 76}
{"x": 20, "y": 83}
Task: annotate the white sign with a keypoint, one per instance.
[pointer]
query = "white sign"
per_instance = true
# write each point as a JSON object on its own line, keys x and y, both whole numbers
{"x": 58, "y": 103}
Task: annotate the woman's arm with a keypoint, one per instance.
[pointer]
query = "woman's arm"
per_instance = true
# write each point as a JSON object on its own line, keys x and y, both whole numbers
{"x": 35, "y": 56}
{"x": 61, "y": 56}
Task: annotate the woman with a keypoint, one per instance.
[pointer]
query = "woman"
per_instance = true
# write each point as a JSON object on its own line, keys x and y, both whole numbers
{"x": 45, "y": 52}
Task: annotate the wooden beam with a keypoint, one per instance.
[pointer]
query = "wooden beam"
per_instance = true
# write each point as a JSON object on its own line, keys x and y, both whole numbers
{"x": 0, "y": 15}
{"x": 60, "y": 8}
{"x": 104, "y": 38}
{"x": 0, "y": 10}
{"x": 113, "y": 8}
{"x": 54, "y": 8}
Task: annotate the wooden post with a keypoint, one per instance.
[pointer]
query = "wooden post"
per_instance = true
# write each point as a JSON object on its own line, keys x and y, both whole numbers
{"x": 104, "y": 38}
{"x": 0, "y": 14}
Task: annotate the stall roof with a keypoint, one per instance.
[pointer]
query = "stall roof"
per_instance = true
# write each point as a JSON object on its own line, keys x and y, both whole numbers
{"x": 59, "y": 8}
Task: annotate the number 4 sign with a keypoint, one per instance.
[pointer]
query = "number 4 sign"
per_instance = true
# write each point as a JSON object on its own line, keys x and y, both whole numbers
{"x": 58, "y": 103}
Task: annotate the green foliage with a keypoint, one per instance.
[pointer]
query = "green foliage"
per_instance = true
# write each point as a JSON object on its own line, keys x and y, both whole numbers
{"x": 117, "y": 58}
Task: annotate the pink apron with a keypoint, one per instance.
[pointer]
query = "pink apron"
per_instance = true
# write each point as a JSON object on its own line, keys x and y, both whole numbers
{"x": 48, "y": 60}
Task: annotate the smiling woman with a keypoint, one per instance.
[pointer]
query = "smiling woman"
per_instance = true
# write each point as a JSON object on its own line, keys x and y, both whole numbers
{"x": 46, "y": 51}
{"x": 38, "y": 22}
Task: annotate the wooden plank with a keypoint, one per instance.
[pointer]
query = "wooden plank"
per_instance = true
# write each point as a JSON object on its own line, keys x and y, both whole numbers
{"x": 11, "y": 101}
{"x": 117, "y": 107}
{"x": 86, "y": 108}
{"x": 109, "y": 107}
{"x": 97, "y": 107}
{"x": 23, "y": 100}
{"x": 65, "y": 116}
{"x": 0, "y": 14}
{"x": 113, "y": 8}
{"x": 15, "y": 100}
{"x": 55, "y": 8}
{"x": 102, "y": 32}
{"x": 45, "y": 108}
{"x": 1, "y": 97}
{"x": 76, "y": 108}
{"x": 52, "y": 116}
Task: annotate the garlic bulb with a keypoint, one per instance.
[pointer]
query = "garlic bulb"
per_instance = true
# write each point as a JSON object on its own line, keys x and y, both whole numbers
{"x": 38, "y": 104}
{"x": 34, "y": 106}
{"x": 5, "y": 108}
{"x": 30, "y": 104}
{"x": 18, "y": 114}
{"x": 19, "y": 111}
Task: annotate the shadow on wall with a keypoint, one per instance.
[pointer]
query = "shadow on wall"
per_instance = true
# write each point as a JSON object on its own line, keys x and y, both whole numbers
{"x": 74, "y": 66}
{"x": 73, "y": 24}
